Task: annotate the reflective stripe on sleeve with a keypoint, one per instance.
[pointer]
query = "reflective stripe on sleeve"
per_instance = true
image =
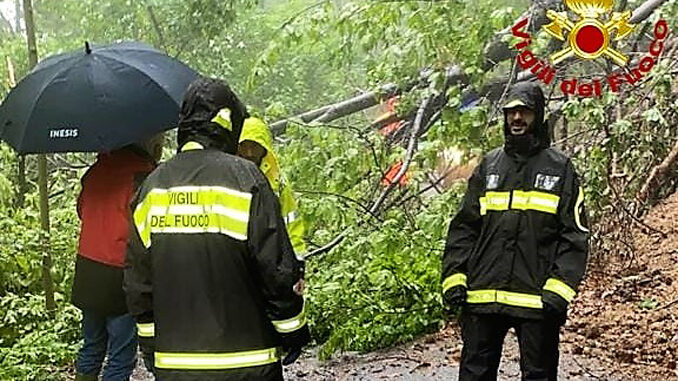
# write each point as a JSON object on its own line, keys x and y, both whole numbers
{"x": 516, "y": 299}
{"x": 577, "y": 211}
{"x": 453, "y": 280}
{"x": 191, "y": 146}
{"x": 215, "y": 361}
{"x": 291, "y": 324}
{"x": 561, "y": 288}
{"x": 146, "y": 329}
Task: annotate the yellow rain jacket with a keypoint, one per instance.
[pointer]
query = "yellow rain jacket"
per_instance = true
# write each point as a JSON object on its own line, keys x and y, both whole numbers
{"x": 256, "y": 130}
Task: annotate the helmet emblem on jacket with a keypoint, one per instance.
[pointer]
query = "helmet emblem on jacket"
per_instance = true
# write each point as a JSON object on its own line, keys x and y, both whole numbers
{"x": 546, "y": 182}
{"x": 492, "y": 181}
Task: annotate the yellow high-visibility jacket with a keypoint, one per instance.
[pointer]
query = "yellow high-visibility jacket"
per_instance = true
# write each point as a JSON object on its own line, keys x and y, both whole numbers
{"x": 256, "y": 130}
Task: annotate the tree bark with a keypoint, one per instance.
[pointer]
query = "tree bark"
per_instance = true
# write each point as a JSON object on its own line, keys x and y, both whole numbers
{"x": 18, "y": 15}
{"x": 21, "y": 173}
{"x": 156, "y": 27}
{"x": 658, "y": 173}
{"x": 48, "y": 283}
{"x": 645, "y": 10}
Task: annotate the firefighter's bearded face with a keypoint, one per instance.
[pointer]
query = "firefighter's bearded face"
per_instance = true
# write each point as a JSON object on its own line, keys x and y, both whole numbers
{"x": 251, "y": 151}
{"x": 520, "y": 120}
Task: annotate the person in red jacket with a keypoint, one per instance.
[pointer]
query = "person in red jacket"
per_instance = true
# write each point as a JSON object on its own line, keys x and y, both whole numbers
{"x": 104, "y": 211}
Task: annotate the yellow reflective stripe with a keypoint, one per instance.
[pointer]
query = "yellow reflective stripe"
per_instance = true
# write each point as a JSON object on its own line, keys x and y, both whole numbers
{"x": 191, "y": 146}
{"x": 561, "y": 288}
{"x": 519, "y": 299}
{"x": 504, "y": 297}
{"x": 577, "y": 211}
{"x": 291, "y": 324}
{"x": 146, "y": 329}
{"x": 215, "y": 361}
{"x": 140, "y": 221}
{"x": 534, "y": 200}
{"x": 494, "y": 201}
{"x": 193, "y": 209}
{"x": 453, "y": 280}
{"x": 223, "y": 118}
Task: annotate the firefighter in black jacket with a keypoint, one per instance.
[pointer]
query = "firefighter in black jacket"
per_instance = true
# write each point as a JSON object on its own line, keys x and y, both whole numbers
{"x": 210, "y": 268}
{"x": 516, "y": 251}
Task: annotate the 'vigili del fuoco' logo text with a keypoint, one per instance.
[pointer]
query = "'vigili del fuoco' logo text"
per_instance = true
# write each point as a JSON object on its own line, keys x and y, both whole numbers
{"x": 589, "y": 37}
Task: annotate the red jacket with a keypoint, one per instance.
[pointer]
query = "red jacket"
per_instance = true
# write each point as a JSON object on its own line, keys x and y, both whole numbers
{"x": 103, "y": 204}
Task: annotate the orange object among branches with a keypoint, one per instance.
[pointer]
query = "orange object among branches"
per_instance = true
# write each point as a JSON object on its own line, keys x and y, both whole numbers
{"x": 390, "y": 175}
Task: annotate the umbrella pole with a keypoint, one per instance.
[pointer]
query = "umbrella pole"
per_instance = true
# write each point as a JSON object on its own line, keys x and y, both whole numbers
{"x": 47, "y": 282}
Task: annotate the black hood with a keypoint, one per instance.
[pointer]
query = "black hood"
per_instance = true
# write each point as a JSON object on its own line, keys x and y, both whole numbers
{"x": 530, "y": 95}
{"x": 203, "y": 100}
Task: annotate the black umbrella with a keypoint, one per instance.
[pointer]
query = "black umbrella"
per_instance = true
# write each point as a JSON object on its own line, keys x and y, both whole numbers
{"x": 95, "y": 99}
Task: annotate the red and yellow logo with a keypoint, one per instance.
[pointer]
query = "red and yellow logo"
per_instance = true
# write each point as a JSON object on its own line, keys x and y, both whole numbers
{"x": 589, "y": 37}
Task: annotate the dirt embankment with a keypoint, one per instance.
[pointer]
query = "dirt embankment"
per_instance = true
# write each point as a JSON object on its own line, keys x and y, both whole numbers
{"x": 628, "y": 317}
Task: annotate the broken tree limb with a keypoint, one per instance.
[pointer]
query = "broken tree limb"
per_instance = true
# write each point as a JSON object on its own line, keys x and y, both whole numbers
{"x": 341, "y": 109}
{"x": 328, "y": 113}
{"x": 657, "y": 174}
{"x": 498, "y": 50}
{"x": 644, "y": 10}
{"x": 374, "y": 208}
{"x": 409, "y": 155}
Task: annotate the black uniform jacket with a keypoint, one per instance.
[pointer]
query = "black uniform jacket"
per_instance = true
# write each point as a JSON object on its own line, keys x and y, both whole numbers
{"x": 210, "y": 270}
{"x": 521, "y": 231}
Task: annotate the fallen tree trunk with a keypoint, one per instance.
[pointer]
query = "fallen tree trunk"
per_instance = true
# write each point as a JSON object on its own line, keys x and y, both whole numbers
{"x": 657, "y": 174}
{"x": 326, "y": 114}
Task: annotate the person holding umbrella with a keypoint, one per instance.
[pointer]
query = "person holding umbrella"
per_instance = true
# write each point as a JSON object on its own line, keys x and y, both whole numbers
{"x": 211, "y": 271}
{"x": 99, "y": 99}
{"x": 103, "y": 207}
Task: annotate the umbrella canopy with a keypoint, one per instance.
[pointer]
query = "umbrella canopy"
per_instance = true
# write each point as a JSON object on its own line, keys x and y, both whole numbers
{"x": 96, "y": 99}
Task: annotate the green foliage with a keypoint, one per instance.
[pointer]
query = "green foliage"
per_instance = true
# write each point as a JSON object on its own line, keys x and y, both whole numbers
{"x": 381, "y": 285}
{"x": 33, "y": 345}
{"x": 648, "y": 303}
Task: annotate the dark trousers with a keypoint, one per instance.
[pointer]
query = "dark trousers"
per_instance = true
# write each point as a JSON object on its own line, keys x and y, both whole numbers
{"x": 483, "y": 336}
{"x": 115, "y": 336}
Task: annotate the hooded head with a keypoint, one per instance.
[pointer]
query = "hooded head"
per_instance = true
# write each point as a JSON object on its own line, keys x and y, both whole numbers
{"x": 256, "y": 145}
{"x": 525, "y": 137}
{"x": 212, "y": 115}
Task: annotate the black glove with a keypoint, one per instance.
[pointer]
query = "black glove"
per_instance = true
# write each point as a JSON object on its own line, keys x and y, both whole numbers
{"x": 455, "y": 298}
{"x": 555, "y": 307}
{"x": 293, "y": 342}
